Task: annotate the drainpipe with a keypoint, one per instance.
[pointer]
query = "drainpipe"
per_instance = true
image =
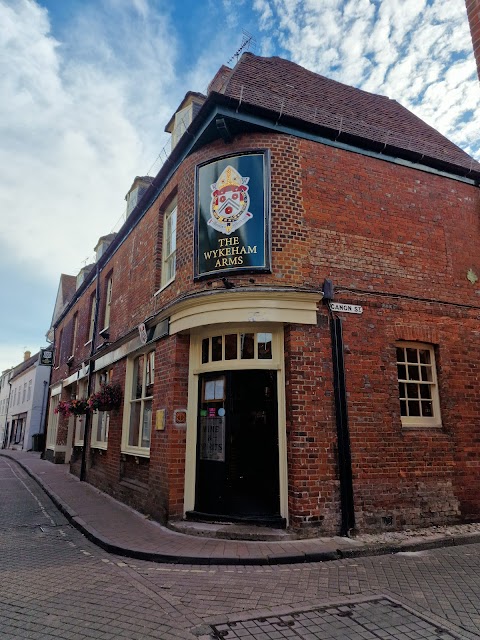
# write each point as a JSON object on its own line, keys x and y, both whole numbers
{"x": 343, "y": 435}
{"x": 88, "y": 415}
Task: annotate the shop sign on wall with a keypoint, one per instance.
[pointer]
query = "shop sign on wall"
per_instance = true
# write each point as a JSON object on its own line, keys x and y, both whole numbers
{"x": 232, "y": 215}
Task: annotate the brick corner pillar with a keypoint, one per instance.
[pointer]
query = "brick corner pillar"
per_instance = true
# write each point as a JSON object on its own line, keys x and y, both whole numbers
{"x": 473, "y": 12}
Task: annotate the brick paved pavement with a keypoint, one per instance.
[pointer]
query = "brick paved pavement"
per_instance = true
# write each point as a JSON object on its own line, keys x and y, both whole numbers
{"x": 56, "y": 584}
{"x": 119, "y": 529}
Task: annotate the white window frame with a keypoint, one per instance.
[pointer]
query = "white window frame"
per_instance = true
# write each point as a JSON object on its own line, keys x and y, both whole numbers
{"x": 413, "y": 378}
{"x": 101, "y": 419}
{"x": 148, "y": 374}
{"x": 169, "y": 245}
{"x": 52, "y": 422}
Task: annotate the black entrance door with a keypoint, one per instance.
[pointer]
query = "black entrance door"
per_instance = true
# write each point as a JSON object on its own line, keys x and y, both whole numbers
{"x": 237, "y": 453}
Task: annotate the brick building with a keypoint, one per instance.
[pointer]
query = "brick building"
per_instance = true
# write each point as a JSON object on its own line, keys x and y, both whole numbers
{"x": 291, "y": 311}
{"x": 473, "y": 12}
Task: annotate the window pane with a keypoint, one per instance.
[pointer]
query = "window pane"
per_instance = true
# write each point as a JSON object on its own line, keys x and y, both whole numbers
{"x": 137, "y": 377}
{"x": 134, "y": 424}
{"x": 400, "y": 355}
{"x": 413, "y": 373}
{"x": 171, "y": 267}
{"x": 264, "y": 346}
{"x": 427, "y": 409}
{"x": 216, "y": 348}
{"x": 231, "y": 347}
{"x": 411, "y": 355}
{"x": 413, "y": 408}
{"x": 426, "y": 374}
{"x": 80, "y": 427}
{"x": 402, "y": 372}
{"x": 403, "y": 408}
{"x": 247, "y": 343}
{"x": 425, "y": 392}
{"x": 401, "y": 390}
{"x": 150, "y": 374}
{"x": 424, "y": 356}
{"x": 205, "y": 345}
{"x": 102, "y": 419}
{"x": 147, "y": 423}
{"x": 412, "y": 390}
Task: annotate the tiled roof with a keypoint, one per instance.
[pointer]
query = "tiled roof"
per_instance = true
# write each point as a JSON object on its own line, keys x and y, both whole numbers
{"x": 68, "y": 284}
{"x": 23, "y": 366}
{"x": 288, "y": 90}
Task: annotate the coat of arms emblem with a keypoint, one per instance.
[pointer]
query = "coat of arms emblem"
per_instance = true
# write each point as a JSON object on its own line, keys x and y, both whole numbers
{"x": 230, "y": 202}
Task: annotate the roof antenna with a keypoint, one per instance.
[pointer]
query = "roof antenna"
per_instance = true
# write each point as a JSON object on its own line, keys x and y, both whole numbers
{"x": 248, "y": 44}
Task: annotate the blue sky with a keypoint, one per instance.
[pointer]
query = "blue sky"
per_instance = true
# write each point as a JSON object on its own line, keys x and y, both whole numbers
{"x": 87, "y": 87}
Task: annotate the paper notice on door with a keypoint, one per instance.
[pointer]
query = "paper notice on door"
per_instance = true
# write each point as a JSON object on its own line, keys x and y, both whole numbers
{"x": 212, "y": 439}
{"x": 214, "y": 389}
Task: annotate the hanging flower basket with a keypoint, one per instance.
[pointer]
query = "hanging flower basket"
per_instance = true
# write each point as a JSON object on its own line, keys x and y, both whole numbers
{"x": 79, "y": 406}
{"x": 63, "y": 408}
{"x": 75, "y": 407}
{"x": 109, "y": 397}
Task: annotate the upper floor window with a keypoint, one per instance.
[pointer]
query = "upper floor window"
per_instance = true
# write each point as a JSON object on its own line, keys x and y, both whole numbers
{"x": 74, "y": 335}
{"x": 58, "y": 348}
{"x": 169, "y": 251}
{"x": 29, "y": 392}
{"x": 139, "y": 395}
{"x": 93, "y": 306}
{"x": 108, "y": 302}
{"x": 417, "y": 385}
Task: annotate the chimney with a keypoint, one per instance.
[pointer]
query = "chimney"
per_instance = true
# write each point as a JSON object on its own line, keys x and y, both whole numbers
{"x": 473, "y": 12}
{"x": 27, "y": 355}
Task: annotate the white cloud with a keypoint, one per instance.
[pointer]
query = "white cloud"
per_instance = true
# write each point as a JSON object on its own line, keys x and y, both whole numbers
{"x": 414, "y": 51}
{"x": 77, "y": 128}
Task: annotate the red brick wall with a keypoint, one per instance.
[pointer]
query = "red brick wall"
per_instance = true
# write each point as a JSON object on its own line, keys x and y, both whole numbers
{"x": 473, "y": 11}
{"x": 313, "y": 486}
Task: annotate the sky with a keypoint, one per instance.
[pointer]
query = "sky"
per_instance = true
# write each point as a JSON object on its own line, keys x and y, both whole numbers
{"x": 87, "y": 87}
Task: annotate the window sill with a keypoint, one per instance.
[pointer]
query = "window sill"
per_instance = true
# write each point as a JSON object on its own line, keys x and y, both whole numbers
{"x": 164, "y": 286}
{"x": 136, "y": 452}
{"x": 437, "y": 426}
{"x": 99, "y": 445}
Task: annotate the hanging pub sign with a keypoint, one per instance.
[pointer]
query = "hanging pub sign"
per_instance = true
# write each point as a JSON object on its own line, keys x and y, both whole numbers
{"x": 46, "y": 357}
{"x": 232, "y": 215}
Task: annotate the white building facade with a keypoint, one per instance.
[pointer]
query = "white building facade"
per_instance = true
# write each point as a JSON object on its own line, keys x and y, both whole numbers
{"x": 27, "y": 403}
